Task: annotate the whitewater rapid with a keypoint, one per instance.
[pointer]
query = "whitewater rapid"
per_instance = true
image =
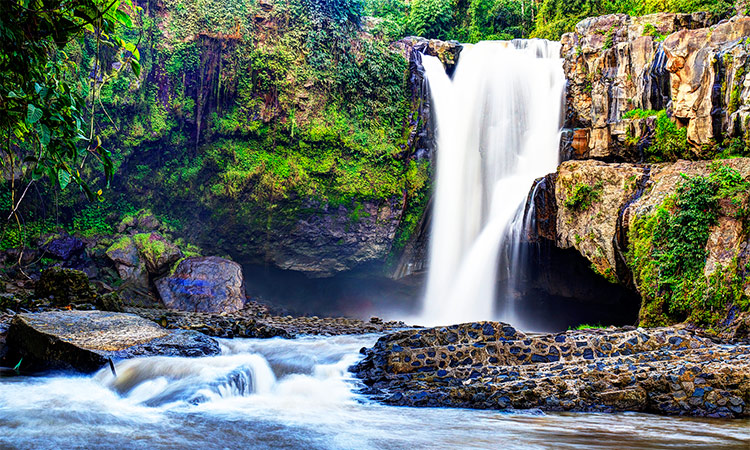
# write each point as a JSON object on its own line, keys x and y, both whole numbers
{"x": 297, "y": 394}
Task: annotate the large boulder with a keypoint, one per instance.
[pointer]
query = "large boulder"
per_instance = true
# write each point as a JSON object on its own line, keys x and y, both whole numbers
{"x": 132, "y": 270}
{"x": 87, "y": 340}
{"x": 140, "y": 258}
{"x": 156, "y": 252}
{"x": 204, "y": 284}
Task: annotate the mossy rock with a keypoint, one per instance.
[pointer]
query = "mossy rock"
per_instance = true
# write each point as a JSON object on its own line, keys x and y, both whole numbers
{"x": 157, "y": 253}
{"x": 64, "y": 286}
{"x": 123, "y": 251}
{"x": 126, "y": 222}
{"x": 147, "y": 221}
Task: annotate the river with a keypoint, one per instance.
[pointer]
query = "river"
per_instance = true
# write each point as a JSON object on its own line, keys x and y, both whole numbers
{"x": 298, "y": 394}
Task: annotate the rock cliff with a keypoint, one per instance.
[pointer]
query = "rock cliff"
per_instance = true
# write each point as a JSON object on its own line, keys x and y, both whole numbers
{"x": 680, "y": 63}
{"x": 619, "y": 216}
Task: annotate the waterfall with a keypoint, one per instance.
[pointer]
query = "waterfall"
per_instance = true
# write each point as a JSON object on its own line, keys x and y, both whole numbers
{"x": 498, "y": 129}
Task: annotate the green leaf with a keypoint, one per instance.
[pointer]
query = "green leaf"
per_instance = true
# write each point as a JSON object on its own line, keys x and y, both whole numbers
{"x": 136, "y": 66}
{"x": 124, "y": 18}
{"x": 33, "y": 114}
{"x": 18, "y": 366}
{"x": 44, "y": 135}
{"x": 63, "y": 177}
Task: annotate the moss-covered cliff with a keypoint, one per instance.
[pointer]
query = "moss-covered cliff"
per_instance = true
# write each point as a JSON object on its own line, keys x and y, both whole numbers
{"x": 273, "y": 131}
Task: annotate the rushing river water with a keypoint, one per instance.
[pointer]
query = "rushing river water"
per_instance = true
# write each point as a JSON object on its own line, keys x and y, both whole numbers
{"x": 298, "y": 394}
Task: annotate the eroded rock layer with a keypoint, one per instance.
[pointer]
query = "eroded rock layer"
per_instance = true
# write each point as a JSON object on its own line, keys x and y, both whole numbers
{"x": 681, "y": 63}
{"x": 491, "y": 365}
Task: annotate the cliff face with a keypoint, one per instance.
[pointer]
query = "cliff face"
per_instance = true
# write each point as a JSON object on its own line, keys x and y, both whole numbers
{"x": 616, "y": 64}
{"x": 633, "y": 222}
{"x": 278, "y": 132}
{"x": 645, "y": 94}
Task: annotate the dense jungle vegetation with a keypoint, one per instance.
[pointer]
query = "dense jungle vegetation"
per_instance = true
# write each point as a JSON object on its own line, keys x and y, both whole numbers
{"x": 230, "y": 119}
{"x": 476, "y": 20}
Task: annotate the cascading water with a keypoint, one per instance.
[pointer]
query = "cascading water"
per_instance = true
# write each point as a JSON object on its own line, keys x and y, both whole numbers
{"x": 498, "y": 128}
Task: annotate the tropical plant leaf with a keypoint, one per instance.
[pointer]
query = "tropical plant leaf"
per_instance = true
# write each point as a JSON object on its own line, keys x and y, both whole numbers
{"x": 44, "y": 135}
{"x": 63, "y": 177}
{"x": 136, "y": 66}
{"x": 124, "y": 19}
{"x": 33, "y": 114}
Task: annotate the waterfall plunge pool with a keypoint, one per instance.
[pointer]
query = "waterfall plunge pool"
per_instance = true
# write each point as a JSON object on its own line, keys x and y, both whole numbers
{"x": 298, "y": 394}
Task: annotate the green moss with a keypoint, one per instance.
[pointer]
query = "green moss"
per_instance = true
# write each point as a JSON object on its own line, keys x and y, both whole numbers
{"x": 735, "y": 100}
{"x": 582, "y": 196}
{"x": 669, "y": 141}
{"x": 585, "y": 326}
{"x": 150, "y": 246}
{"x": 120, "y": 244}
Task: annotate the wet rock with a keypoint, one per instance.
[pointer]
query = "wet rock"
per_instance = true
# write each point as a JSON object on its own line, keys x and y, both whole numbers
{"x": 87, "y": 340}
{"x": 63, "y": 247}
{"x": 254, "y": 321}
{"x": 64, "y": 286}
{"x": 490, "y": 365}
{"x": 204, "y": 284}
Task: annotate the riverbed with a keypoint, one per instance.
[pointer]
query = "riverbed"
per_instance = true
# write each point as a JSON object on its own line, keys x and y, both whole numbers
{"x": 278, "y": 393}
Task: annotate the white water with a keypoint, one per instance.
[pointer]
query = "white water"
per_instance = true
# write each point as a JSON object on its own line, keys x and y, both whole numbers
{"x": 498, "y": 129}
{"x": 297, "y": 394}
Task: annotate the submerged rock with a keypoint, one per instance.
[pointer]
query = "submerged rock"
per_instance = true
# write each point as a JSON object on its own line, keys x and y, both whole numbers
{"x": 204, "y": 284}
{"x": 87, "y": 340}
{"x": 490, "y": 365}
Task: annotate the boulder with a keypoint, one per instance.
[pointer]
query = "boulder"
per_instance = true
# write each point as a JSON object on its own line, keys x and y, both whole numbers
{"x": 204, "y": 284}
{"x": 132, "y": 270}
{"x": 156, "y": 252}
{"x": 139, "y": 258}
{"x": 87, "y": 340}
{"x": 63, "y": 247}
{"x": 64, "y": 286}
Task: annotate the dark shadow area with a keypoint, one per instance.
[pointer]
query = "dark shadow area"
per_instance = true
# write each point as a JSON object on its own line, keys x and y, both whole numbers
{"x": 360, "y": 293}
{"x": 559, "y": 290}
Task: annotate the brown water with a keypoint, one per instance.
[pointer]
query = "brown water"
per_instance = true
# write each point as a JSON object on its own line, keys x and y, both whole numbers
{"x": 297, "y": 394}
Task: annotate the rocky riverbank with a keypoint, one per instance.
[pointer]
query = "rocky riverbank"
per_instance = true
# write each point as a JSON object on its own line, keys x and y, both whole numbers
{"x": 490, "y": 365}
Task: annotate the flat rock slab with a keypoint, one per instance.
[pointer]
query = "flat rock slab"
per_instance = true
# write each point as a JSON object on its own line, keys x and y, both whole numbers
{"x": 489, "y": 365}
{"x": 87, "y": 340}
